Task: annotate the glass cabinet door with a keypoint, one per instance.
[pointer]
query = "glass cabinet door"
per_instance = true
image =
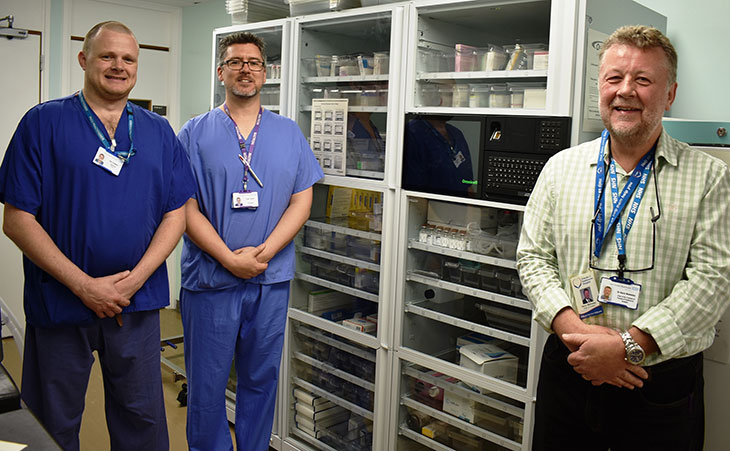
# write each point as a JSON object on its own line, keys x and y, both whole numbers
{"x": 345, "y": 60}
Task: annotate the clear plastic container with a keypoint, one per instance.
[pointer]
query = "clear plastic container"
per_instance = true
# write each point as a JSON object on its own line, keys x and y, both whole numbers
{"x": 446, "y": 94}
{"x": 381, "y": 63}
{"x": 479, "y": 95}
{"x": 369, "y": 96}
{"x": 347, "y": 66}
{"x": 428, "y": 95}
{"x": 499, "y": 97}
{"x": 353, "y": 95}
{"x": 521, "y": 56}
{"x": 428, "y": 60}
{"x": 452, "y": 271}
{"x": 317, "y": 92}
{"x": 535, "y": 98}
{"x": 465, "y": 58}
{"x": 492, "y": 57}
{"x": 332, "y": 93}
{"x": 488, "y": 278}
{"x": 323, "y": 65}
{"x": 383, "y": 95}
{"x": 461, "y": 95}
{"x": 366, "y": 64}
{"x": 470, "y": 274}
{"x": 504, "y": 280}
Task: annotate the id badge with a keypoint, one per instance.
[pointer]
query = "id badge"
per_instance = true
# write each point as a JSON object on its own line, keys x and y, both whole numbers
{"x": 622, "y": 292}
{"x": 585, "y": 295}
{"x": 459, "y": 159}
{"x": 248, "y": 199}
{"x": 107, "y": 160}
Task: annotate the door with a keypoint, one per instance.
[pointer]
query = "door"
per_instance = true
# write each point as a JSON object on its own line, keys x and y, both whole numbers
{"x": 20, "y": 89}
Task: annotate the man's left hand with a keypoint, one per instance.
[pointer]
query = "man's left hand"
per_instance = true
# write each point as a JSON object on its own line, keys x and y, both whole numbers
{"x": 127, "y": 286}
{"x": 600, "y": 358}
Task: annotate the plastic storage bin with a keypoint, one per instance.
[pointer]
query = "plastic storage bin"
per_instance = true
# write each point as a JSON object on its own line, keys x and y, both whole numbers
{"x": 353, "y": 95}
{"x": 428, "y": 95}
{"x": 465, "y": 58}
{"x": 323, "y": 65}
{"x": 366, "y": 64}
{"x": 381, "y": 63}
{"x": 499, "y": 97}
{"x": 491, "y": 57}
{"x": 479, "y": 95}
{"x": 347, "y": 66}
{"x": 301, "y": 7}
{"x": 461, "y": 95}
{"x": 446, "y": 95}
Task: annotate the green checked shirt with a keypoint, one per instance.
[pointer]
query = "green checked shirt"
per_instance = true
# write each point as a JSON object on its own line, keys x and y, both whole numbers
{"x": 685, "y": 294}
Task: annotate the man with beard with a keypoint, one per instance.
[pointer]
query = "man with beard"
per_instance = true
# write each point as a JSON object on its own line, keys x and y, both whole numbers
{"x": 646, "y": 217}
{"x": 238, "y": 258}
{"x": 94, "y": 190}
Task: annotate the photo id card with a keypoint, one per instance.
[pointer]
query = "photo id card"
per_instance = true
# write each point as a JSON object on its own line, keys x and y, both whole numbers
{"x": 248, "y": 199}
{"x": 584, "y": 295}
{"x": 623, "y": 292}
{"x": 107, "y": 160}
{"x": 459, "y": 158}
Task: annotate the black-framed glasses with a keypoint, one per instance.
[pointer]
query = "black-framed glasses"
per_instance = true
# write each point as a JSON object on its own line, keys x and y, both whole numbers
{"x": 237, "y": 64}
{"x": 622, "y": 258}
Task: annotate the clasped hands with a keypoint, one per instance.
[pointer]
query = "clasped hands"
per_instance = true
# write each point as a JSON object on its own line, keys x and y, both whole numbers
{"x": 598, "y": 355}
{"x": 247, "y": 262}
{"x": 107, "y": 296}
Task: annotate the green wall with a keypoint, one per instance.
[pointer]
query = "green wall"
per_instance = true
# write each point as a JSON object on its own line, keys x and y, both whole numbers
{"x": 198, "y": 22}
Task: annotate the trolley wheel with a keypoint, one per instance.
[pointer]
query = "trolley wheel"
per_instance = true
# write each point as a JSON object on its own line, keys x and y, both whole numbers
{"x": 182, "y": 397}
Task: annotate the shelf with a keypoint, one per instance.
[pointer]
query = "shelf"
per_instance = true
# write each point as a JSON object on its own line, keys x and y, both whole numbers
{"x": 362, "y": 109}
{"x": 468, "y": 291}
{"x": 344, "y": 230}
{"x": 465, "y": 392}
{"x": 464, "y": 200}
{"x": 468, "y": 325}
{"x": 271, "y": 107}
{"x": 336, "y": 344}
{"x": 311, "y": 440}
{"x": 338, "y": 258}
{"x": 481, "y": 75}
{"x": 366, "y": 174}
{"x": 335, "y": 399}
{"x": 335, "y": 371}
{"x": 272, "y": 81}
{"x": 422, "y": 439}
{"x": 461, "y": 424}
{"x": 371, "y": 341}
{"x": 465, "y": 255}
{"x": 346, "y": 78}
{"x": 337, "y": 287}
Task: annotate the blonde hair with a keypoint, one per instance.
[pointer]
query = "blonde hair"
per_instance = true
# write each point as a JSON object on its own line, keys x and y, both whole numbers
{"x": 643, "y": 37}
{"x": 112, "y": 25}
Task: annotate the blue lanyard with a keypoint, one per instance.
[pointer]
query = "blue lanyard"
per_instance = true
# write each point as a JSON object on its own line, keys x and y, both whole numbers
{"x": 122, "y": 155}
{"x": 245, "y": 156}
{"x": 637, "y": 182}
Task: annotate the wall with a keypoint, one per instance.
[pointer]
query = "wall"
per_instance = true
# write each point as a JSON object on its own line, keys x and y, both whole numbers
{"x": 198, "y": 22}
{"x": 700, "y": 32}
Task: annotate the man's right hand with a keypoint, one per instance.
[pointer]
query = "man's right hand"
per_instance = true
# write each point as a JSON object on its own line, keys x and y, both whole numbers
{"x": 243, "y": 262}
{"x": 101, "y": 296}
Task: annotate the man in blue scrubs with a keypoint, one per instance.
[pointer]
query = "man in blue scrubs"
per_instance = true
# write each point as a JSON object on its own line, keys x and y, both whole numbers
{"x": 254, "y": 172}
{"x": 94, "y": 238}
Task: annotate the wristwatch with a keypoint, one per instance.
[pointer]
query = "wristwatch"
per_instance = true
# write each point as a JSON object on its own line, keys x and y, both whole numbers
{"x": 635, "y": 354}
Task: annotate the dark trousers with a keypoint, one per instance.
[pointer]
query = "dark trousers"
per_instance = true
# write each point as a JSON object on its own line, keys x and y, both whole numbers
{"x": 56, "y": 367}
{"x": 571, "y": 414}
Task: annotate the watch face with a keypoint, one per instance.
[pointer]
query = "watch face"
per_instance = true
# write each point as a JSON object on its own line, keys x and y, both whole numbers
{"x": 635, "y": 356}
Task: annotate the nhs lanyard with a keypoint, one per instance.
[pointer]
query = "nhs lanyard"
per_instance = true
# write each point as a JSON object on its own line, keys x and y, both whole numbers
{"x": 637, "y": 182}
{"x": 123, "y": 155}
{"x": 245, "y": 157}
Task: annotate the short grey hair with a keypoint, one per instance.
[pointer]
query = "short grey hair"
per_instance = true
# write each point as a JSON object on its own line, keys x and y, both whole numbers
{"x": 643, "y": 37}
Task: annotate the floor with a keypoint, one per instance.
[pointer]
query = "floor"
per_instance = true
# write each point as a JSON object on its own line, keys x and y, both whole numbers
{"x": 94, "y": 434}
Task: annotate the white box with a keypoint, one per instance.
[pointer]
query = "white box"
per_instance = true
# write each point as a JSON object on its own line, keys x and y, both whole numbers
{"x": 459, "y": 406}
{"x": 535, "y": 98}
{"x": 360, "y": 325}
{"x": 489, "y": 359}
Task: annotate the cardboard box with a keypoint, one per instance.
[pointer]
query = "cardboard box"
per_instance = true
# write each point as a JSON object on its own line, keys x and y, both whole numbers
{"x": 360, "y": 325}
{"x": 489, "y": 359}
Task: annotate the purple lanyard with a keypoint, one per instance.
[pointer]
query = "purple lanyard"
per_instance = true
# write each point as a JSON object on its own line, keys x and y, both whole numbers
{"x": 245, "y": 157}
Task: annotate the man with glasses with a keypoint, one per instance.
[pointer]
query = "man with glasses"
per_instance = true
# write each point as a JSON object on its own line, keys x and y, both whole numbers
{"x": 645, "y": 218}
{"x": 254, "y": 172}
{"x": 94, "y": 190}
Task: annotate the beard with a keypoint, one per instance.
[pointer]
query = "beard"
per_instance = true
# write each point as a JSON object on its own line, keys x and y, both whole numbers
{"x": 632, "y": 134}
{"x": 244, "y": 94}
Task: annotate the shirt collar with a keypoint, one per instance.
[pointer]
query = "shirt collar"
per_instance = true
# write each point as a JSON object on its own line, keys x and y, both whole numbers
{"x": 665, "y": 150}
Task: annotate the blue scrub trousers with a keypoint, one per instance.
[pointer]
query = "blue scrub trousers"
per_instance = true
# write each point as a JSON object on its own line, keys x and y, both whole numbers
{"x": 246, "y": 322}
{"x": 56, "y": 367}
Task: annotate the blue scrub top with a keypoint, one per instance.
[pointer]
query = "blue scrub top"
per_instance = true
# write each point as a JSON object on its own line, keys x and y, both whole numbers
{"x": 428, "y": 160}
{"x": 283, "y": 161}
{"x": 101, "y": 222}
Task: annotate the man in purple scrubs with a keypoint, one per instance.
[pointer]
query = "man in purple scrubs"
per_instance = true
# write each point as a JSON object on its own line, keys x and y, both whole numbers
{"x": 94, "y": 239}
